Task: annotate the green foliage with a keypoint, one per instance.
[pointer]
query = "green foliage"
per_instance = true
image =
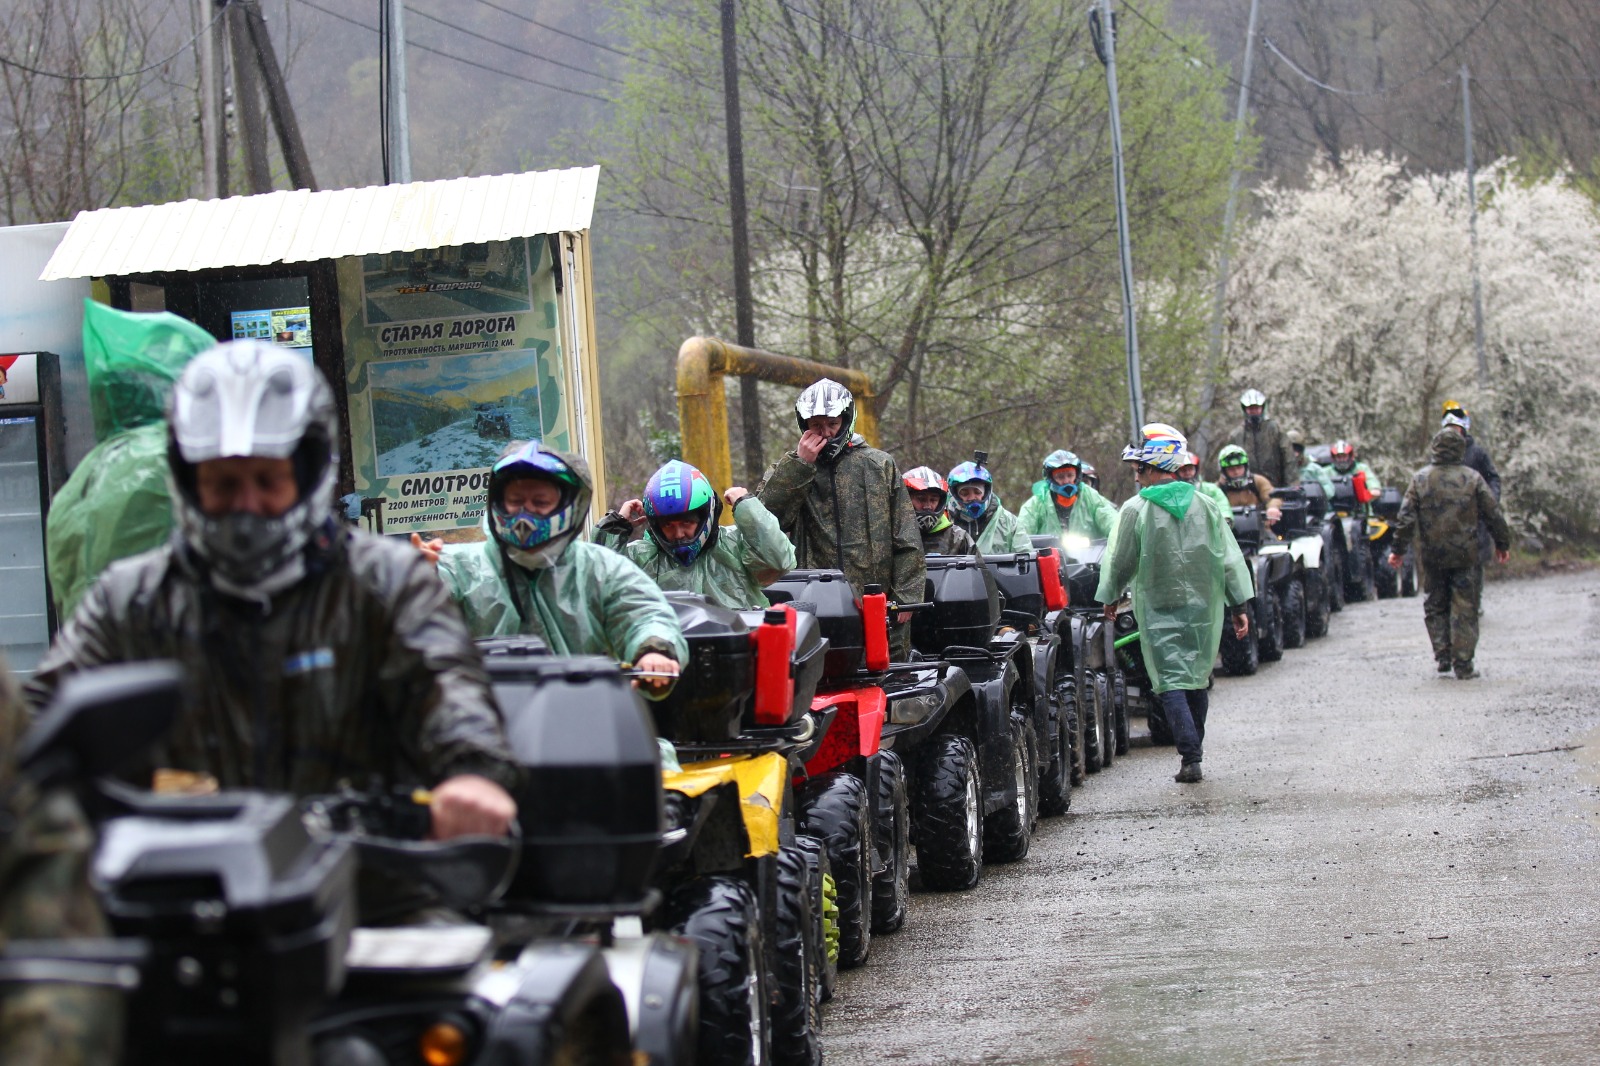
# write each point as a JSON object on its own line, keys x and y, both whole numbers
{"x": 930, "y": 197}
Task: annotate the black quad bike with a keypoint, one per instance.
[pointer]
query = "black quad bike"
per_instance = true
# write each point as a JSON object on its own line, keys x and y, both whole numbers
{"x": 1380, "y": 537}
{"x": 1360, "y": 574}
{"x": 1276, "y": 578}
{"x": 237, "y": 910}
{"x": 1315, "y": 540}
{"x": 736, "y": 878}
{"x": 1102, "y": 687}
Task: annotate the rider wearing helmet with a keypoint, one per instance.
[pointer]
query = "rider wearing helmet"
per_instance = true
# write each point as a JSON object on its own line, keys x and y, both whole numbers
{"x": 685, "y": 549}
{"x": 315, "y": 654}
{"x": 929, "y": 494}
{"x": 1090, "y": 475}
{"x": 976, "y": 508}
{"x": 1190, "y": 472}
{"x": 1062, "y": 503}
{"x": 1345, "y": 465}
{"x": 1261, "y": 438}
{"x": 843, "y": 505}
{"x": 535, "y": 575}
{"x": 1173, "y": 547}
{"x": 1244, "y": 488}
{"x": 1310, "y": 469}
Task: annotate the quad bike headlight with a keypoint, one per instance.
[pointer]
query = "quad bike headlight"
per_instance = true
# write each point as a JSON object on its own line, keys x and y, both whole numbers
{"x": 444, "y": 1043}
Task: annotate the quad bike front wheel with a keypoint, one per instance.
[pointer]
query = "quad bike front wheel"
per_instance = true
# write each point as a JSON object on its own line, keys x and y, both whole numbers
{"x": 1057, "y": 769}
{"x": 1317, "y": 605}
{"x": 1096, "y": 731}
{"x": 1294, "y": 613}
{"x": 797, "y": 1013}
{"x": 947, "y": 814}
{"x": 1119, "y": 700}
{"x": 1241, "y": 658}
{"x": 720, "y": 917}
{"x": 891, "y": 885}
{"x": 824, "y": 912}
{"x": 835, "y": 808}
{"x": 1270, "y": 642}
{"x": 1008, "y": 831}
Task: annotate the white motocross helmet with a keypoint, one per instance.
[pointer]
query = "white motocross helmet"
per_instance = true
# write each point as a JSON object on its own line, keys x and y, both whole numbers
{"x": 832, "y": 400}
{"x": 252, "y": 399}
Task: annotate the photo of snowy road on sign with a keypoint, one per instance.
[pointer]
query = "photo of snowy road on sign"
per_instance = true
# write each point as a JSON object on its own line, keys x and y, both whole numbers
{"x": 452, "y": 412}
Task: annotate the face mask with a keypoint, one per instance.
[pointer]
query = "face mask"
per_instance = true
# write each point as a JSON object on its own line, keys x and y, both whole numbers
{"x": 926, "y": 520}
{"x": 1064, "y": 493}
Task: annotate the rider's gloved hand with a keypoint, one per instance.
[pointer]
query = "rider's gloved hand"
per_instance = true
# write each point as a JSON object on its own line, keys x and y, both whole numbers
{"x": 469, "y": 805}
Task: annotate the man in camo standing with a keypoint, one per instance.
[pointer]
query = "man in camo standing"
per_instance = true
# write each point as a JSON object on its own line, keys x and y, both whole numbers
{"x": 1443, "y": 506}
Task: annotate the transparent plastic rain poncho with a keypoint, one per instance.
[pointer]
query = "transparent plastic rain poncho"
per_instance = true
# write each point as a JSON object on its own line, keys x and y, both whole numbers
{"x": 1174, "y": 548}
{"x": 116, "y": 503}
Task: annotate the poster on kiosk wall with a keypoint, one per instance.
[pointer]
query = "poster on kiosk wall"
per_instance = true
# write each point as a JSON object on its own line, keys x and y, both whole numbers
{"x": 451, "y": 353}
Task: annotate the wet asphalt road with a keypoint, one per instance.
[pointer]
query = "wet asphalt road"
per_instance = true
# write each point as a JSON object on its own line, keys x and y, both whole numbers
{"x": 1370, "y": 872}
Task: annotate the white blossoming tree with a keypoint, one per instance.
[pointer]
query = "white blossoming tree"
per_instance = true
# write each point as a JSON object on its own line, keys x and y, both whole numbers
{"x": 1352, "y": 308}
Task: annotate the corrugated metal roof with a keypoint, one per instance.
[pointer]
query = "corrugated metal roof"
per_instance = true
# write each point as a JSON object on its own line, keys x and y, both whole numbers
{"x": 302, "y": 226}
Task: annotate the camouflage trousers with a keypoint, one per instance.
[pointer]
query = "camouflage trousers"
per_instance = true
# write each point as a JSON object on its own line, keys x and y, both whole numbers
{"x": 1451, "y": 611}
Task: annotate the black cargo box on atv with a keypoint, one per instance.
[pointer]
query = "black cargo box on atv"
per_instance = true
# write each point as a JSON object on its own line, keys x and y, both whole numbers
{"x": 1247, "y": 528}
{"x": 1017, "y": 575}
{"x": 591, "y": 788}
{"x": 712, "y": 700}
{"x": 966, "y": 608}
{"x": 831, "y": 599}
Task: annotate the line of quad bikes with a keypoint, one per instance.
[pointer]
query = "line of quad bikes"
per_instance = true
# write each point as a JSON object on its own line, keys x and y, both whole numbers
{"x": 694, "y": 915}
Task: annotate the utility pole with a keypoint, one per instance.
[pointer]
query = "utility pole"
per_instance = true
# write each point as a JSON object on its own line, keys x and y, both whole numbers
{"x": 278, "y": 103}
{"x": 1103, "y": 29}
{"x": 247, "y": 100}
{"x": 1208, "y": 392}
{"x": 743, "y": 301}
{"x": 213, "y": 122}
{"x": 1472, "y": 205}
{"x": 399, "y": 121}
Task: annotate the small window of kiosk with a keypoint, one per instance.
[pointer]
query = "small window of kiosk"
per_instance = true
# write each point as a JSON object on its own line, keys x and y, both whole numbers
{"x": 32, "y": 468}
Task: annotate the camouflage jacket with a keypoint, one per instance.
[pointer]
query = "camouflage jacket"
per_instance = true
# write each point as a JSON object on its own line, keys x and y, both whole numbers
{"x": 363, "y": 668}
{"x": 44, "y": 894}
{"x": 853, "y": 514}
{"x": 1443, "y": 506}
{"x": 1271, "y": 454}
{"x": 948, "y": 539}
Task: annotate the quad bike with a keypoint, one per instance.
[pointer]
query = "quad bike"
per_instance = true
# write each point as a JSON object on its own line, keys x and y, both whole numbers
{"x": 1360, "y": 577}
{"x": 737, "y": 877}
{"x": 1380, "y": 537}
{"x": 1034, "y": 598}
{"x": 1103, "y": 691}
{"x": 236, "y": 911}
{"x": 1315, "y": 539}
{"x": 1278, "y": 588}
{"x": 885, "y": 777}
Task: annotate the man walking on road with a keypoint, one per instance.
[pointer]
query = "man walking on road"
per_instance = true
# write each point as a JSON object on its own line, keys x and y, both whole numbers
{"x": 1174, "y": 546}
{"x": 1442, "y": 509}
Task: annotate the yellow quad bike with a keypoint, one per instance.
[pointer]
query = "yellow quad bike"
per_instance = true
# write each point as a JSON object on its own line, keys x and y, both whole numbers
{"x": 1380, "y": 537}
{"x": 739, "y": 877}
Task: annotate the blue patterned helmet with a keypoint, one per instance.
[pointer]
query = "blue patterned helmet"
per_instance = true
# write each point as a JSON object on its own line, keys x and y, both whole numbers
{"x": 1164, "y": 453}
{"x": 970, "y": 472}
{"x": 679, "y": 491}
{"x": 526, "y": 530}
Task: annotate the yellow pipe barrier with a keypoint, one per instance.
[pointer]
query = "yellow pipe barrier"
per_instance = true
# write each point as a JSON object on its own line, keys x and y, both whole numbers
{"x": 703, "y": 410}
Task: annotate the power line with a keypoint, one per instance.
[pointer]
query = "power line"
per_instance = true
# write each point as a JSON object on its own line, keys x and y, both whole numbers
{"x": 1180, "y": 46}
{"x": 459, "y": 59}
{"x": 555, "y": 29}
{"x": 4, "y": 61}
{"x": 1429, "y": 69}
{"x": 511, "y": 47}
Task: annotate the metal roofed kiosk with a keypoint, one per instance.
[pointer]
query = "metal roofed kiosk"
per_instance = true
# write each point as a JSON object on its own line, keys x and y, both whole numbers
{"x": 458, "y": 314}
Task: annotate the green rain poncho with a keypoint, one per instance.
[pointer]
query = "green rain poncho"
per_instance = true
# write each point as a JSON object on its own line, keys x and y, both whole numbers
{"x": 592, "y": 601}
{"x": 1212, "y": 490}
{"x": 1173, "y": 546}
{"x": 1091, "y": 514}
{"x": 116, "y": 502}
{"x": 1002, "y": 533}
{"x": 751, "y": 553}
